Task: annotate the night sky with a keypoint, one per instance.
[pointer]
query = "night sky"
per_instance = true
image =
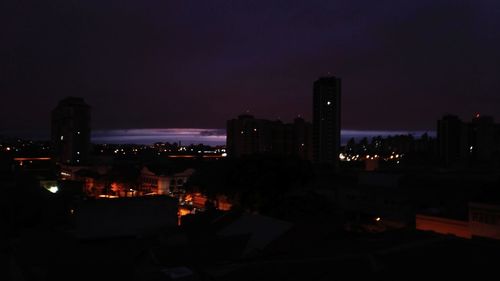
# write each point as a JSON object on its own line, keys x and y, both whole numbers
{"x": 155, "y": 64}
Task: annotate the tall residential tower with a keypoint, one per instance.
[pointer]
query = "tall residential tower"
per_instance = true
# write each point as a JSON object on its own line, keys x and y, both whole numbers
{"x": 326, "y": 121}
{"x": 71, "y": 131}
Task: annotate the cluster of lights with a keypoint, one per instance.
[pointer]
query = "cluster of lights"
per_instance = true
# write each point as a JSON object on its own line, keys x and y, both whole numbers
{"x": 164, "y": 148}
{"x": 9, "y": 149}
{"x": 357, "y": 157}
{"x": 107, "y": 196}
{"x": 372, "y": 157}
{"x": 349, "y": 158}
{"x": 20, "y": 145}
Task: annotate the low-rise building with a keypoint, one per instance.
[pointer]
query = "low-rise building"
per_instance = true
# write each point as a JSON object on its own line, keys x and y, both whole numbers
{"x": 483, "y": 221}
{"x": 163, "y": 181}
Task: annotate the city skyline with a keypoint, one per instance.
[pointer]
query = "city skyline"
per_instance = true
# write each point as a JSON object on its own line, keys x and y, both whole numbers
{"x": 249, "y": 140}
{"x": 167, "y": 64}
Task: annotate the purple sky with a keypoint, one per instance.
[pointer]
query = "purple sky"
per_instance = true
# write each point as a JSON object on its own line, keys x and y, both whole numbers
{"x": 160, "y": 63}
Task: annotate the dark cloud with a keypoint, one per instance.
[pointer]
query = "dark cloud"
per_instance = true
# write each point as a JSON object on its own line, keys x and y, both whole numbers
{"x": 199, "y": 63}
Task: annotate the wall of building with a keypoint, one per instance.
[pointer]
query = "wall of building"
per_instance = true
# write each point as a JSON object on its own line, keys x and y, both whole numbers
{"x": 443, "y": 226}
{"x": 484, "y": 220}
{"x": 247, "y": 135}
{"x": 70, "y": 131}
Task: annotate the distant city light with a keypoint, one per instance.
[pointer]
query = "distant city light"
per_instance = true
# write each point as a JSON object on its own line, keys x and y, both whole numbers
{"x": 108, "y": 196}
{"x": 53, "y": 189}
{"x": 377, "y": 219}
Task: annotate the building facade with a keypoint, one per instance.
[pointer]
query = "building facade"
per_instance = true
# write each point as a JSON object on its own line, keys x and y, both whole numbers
{"x": 461, "y": 143}
{"x": 483, "y": 139}
{"x": 326, "y": 120}
{"x": 163, "y": 183}
{"x": 452, "y": 139}
{"x": 247, "y": 135}
{"x": 70, "y": 131}
{"x": 483, "y": 221}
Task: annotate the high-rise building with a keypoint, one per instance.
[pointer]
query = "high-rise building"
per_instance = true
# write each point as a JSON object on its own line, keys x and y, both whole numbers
{"x": 326, "y": 120}
{"x": 302, "y": 138}
{"x": 484, "y": 139}
{"x": 477, "y": 142}
{"x": 247, "y": 135}
{"x": 452, "y": 140}
{"x": 70, "y": 134}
